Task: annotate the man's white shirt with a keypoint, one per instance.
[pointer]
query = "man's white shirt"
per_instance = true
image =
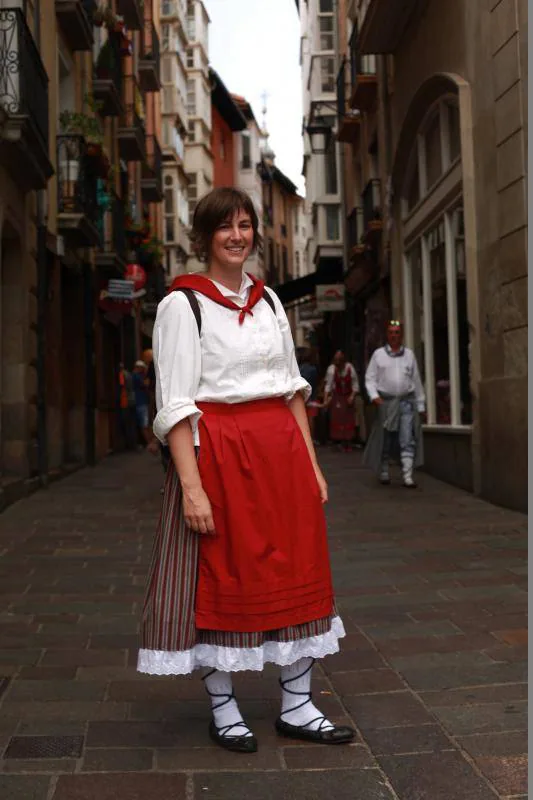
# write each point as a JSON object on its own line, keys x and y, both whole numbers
{"x": 395, "y": 375}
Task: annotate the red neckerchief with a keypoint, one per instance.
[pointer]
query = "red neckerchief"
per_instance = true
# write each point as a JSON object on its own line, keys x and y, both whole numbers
{"x": 201, "y": 284}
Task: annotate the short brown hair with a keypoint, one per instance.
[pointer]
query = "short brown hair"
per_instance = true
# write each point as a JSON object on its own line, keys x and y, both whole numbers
{"x": 217, "y": 207}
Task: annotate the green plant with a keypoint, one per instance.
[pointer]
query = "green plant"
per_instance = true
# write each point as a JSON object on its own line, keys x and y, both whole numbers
{"x": 77, "y": 122}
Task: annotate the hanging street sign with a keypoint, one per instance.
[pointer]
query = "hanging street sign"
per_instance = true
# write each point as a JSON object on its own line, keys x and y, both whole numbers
{"x": 330, "y": 297}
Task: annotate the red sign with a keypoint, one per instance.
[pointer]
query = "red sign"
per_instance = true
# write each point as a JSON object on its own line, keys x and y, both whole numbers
{"x": 135, "y": 273}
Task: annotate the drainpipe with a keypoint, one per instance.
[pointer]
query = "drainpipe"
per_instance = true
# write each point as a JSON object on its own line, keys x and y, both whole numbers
{"x": 42, "y": 300}
{"x": 348, "y": 313}
{"x": 89, "y": 360}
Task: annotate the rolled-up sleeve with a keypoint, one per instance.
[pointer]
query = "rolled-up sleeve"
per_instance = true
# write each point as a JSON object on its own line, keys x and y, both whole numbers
{"x": 296, "y": 382}
{"x": 177, "y": 361}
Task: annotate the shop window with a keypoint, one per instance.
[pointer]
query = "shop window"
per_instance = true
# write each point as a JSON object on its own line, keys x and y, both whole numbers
{"x": 433, "y": 150}
{"x": 454, "y": 130}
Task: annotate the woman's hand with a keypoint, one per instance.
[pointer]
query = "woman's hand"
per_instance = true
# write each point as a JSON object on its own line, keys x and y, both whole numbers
{"x": 197, "y": 511}
{"x": 322, "y": 485}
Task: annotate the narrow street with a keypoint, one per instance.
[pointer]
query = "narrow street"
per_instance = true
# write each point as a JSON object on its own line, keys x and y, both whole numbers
{"x": 431, "y": 586}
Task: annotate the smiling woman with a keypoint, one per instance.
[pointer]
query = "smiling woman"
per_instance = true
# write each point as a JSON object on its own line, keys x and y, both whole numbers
{"x": 240, "y": 571}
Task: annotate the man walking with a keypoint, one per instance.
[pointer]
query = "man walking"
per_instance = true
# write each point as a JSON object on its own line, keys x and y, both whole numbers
{"x": 393, "y": 384}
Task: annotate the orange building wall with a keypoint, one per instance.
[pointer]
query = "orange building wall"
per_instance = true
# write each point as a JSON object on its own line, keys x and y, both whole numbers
{"x": 223, "y": 151}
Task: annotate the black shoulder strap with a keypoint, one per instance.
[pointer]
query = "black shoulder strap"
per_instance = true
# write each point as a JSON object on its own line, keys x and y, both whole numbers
{"x": 195, "y": 306}
{"x": 270, "y": 300}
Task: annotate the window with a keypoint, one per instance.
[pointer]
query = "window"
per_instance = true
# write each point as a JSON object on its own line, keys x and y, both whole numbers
{"x": 166, "y": 69}
{"x": 192, "y": 130}
{"x": 298, "y": 264}
{"x": 433, "y": 150}
{"x": 246, "y": 145}
{"x": 326, "y": 6}
{"x": 191, "y": 98}
{"x": 190, "y": 58}
{"x": 332, "y": 223}
{"x": 169, "y": 229}
{"x": 326, "y": 33}
{"x": 331, "y": 168}
{"x": 285, "y": 262}
{"x": 327, "y": 74}
{"x": 192, "y": 192}
{"x": 165, "y": 36}
{"x": 454, "y": 131}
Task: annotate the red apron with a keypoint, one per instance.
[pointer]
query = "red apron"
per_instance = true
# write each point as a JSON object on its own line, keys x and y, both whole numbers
{"x": 267, "y": 566}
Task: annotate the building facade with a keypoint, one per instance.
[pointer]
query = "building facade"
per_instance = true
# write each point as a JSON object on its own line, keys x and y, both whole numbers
{"x": 80, "y": 187}
{"x": 432, "y": 119}
{"x": 226, "y": 120}
{"x": 247, "y": 147}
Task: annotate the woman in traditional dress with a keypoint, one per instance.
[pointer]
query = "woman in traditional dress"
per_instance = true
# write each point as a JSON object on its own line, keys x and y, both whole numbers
{"x": 342, "y": 387}
{"x": 240, "y": 572}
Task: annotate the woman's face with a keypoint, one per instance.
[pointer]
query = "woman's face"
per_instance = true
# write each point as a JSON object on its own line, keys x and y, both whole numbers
{"x": 233, "y": 241}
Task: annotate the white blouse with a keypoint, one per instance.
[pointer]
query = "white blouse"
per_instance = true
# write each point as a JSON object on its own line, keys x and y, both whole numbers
{"x": 228, "y": 363}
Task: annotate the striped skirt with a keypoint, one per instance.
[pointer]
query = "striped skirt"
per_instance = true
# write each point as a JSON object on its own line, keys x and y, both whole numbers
{"x": 171, "y": 644}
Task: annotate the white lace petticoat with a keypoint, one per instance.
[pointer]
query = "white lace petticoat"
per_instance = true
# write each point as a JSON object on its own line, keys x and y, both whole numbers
{"x": 237, "y": 659}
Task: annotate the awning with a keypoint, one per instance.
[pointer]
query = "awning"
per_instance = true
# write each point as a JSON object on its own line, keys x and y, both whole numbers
{"x": 296, "y": 289}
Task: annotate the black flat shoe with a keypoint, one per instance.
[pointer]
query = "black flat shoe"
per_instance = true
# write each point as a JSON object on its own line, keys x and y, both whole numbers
{"x": 238, "y": 744}
{"x": 341, "y": 734}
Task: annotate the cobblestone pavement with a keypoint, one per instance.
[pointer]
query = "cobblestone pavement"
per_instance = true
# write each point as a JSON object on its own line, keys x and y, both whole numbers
{"x": 431, "y": 586}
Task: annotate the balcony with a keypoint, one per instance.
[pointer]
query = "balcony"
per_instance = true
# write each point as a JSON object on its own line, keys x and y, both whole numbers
{"x": 382, "y": 23}
{"x": 75, "y": 18}
{"x": 131, "y": 132}
{"x": 77, "y": 203}
{"x": 349, "y": 121}
{"x": 111, "y": 259}
{"x": 174, "y": 10}
{"x": 372, "y": 211}
{"x": 107, "y": 80}
{"x": 24, "y": 103}
{"x": 152, "y": 172}
{"x": 364, "y": 77}
{"x": 132, "y": 11}
{"x": 150, "y": 59}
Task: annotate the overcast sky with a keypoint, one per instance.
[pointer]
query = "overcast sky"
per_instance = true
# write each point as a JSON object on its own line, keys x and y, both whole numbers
{"x": 254, "y": 47}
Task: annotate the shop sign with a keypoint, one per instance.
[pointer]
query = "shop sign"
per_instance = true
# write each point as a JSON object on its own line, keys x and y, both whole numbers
{"x": 120, "y": 289}
{"x": 330, "y": 297}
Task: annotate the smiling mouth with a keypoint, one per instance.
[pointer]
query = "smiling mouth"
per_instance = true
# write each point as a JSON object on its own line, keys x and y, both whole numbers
{"x": 235, "y": 250}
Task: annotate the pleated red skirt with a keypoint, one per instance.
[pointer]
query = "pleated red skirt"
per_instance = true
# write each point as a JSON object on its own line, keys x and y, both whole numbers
{"x": 267, "y": 565}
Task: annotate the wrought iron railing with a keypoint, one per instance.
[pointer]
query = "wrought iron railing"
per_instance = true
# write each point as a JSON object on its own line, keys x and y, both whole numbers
{"x": 153, "y": 167}
{"x": 356, "y": 227}
{"x": 77, "y": 181}
{"x": 372, "y": 202}
{"x": 23, "y": 78}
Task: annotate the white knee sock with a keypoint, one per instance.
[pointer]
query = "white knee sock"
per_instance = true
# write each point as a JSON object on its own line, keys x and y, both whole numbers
{"x": 226, "y": 714}
{"x": 296, "y": 706}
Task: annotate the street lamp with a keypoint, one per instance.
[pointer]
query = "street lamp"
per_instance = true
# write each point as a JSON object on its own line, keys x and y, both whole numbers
{"x": 319, "y": 136}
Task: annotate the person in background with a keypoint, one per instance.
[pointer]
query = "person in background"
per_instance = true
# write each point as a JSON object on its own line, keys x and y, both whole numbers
{"x": 394, "y": 386}
{"x": 342, "y": 386}
{"x": 141, "y": 387}
{"x": 126, "y": 402}
{"x": 309, "y": 373}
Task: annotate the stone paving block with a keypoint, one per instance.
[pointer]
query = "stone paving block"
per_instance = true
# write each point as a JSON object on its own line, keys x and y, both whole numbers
{"x": 56, "y": 727}
{"x": 476, "y": 695}
{"x": 63, "y": 710}
{"x": 434, "y": 776}
{"x": 376, "y": 711}
{"x": 47, "y": 673}
{"x": 13, "y": 787}
{"x": 456, "y": 677}
{"x": 84, "y": 658}
{"x": 397, "y": 648}
{"x": 517, "y": 636}
{"x": 44, "y": 690}
{"x": 353, "y": 660}
{"x": 214, "y": 758}
{"x": 508, "y": 774}
{"x": 464, "y": 720}
{"x": 135, "y": 734}
{"x": 407, "y": 739}
{"x": 118, "y": 760}
{"x": 508, "y": 743}
{"x": 440, "y": 660}
{"x": 123, "y": 786}
{"x": 407, "y": 630}
{"x": 354, "y": 756}
{"x": 337, "y": 784}
{"x": 43, "y": 766}
{"x": 367, "y": 682}
{"x": 20, "y": 657}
